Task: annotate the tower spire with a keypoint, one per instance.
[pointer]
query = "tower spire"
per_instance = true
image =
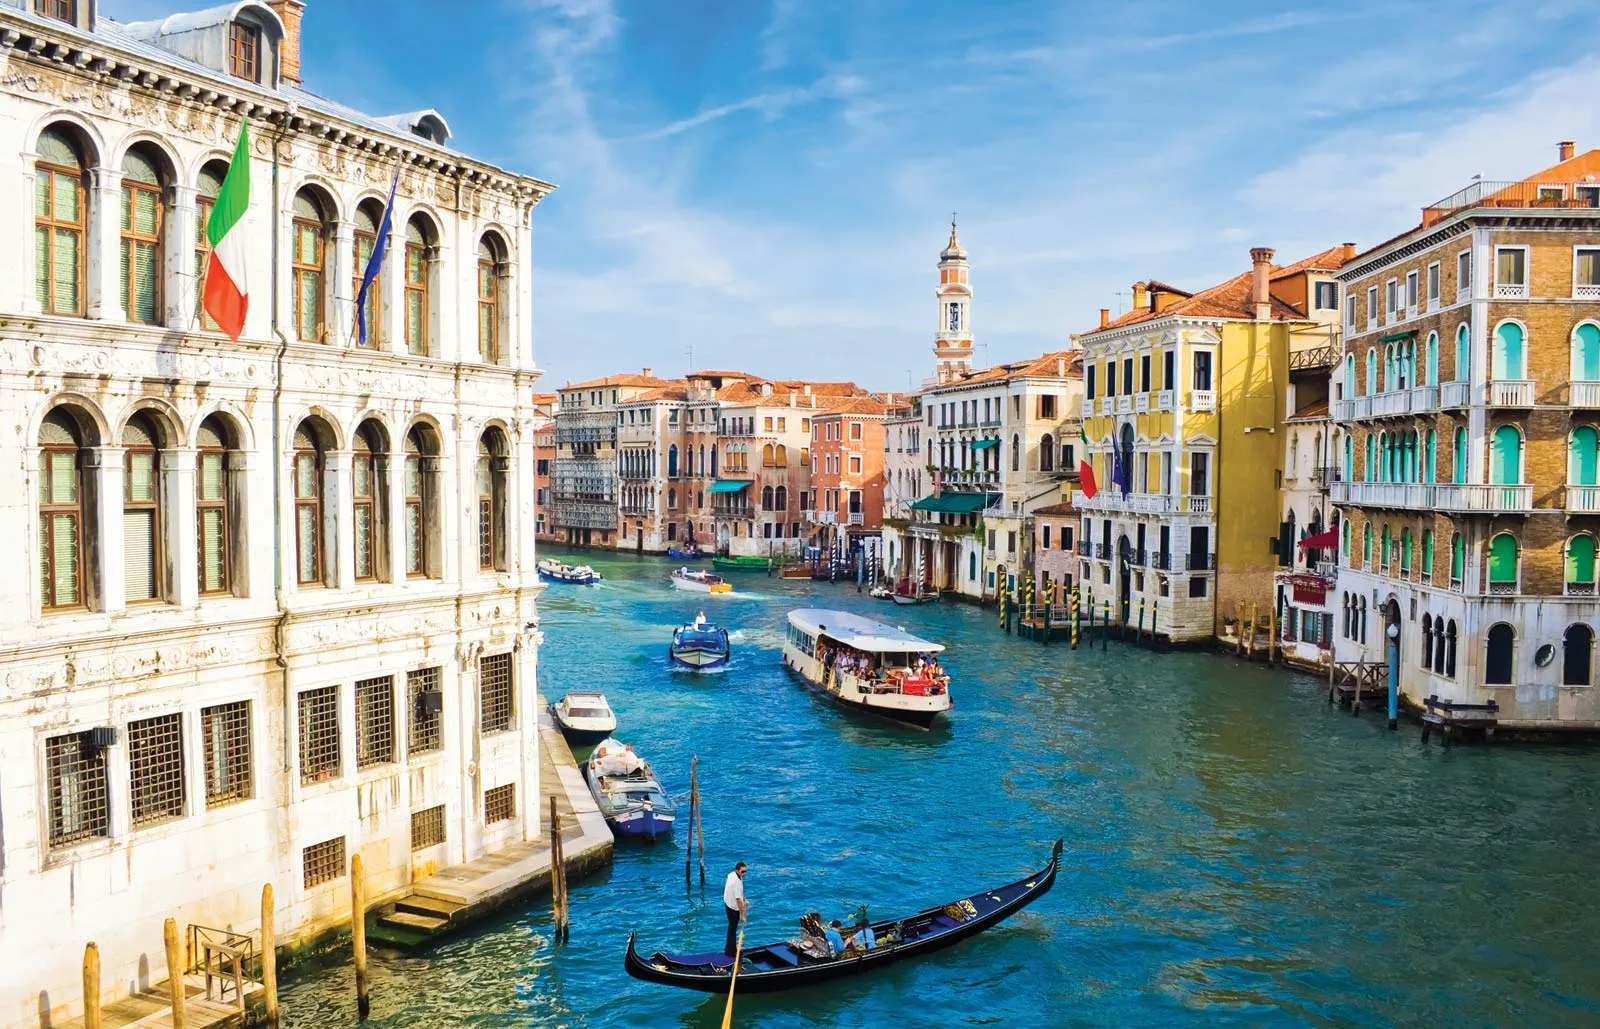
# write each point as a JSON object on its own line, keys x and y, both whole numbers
{"x": 952, "y": 342}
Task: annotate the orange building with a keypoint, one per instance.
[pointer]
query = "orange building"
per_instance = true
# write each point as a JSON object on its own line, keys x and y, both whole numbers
{"x": 847, "y": 478}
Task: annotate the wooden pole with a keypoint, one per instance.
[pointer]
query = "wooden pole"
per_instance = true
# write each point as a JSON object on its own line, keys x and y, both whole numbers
{"x": 269, "y": 956}
{"x": 700, "y": 834}
{"x": 1075, "y": 617}
{"x": 1250, "y": 644}
{"x": 733, "y": 978}
{"x": 1105, "y": 628}
{"x": 358, "y": 933}
{"x": 1272, "y": 635}
{"x": 688, "y": 850}
{"x": 91, "y": 987}
{"x": 558, "y": 892}
{"x": 169, "y": 933}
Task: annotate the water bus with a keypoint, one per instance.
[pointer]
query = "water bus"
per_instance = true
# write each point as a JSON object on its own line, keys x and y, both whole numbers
{"x": 868, "y": 666}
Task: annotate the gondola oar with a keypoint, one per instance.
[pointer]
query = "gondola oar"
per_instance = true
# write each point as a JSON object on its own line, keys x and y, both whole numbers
{"x": 738, "y": 949}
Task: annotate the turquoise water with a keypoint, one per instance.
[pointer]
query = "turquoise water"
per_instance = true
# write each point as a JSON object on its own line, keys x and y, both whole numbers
{"x": 1237, "y": 854}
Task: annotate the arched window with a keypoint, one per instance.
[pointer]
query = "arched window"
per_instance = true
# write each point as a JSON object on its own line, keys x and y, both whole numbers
{"x": 1582, "y": 464}
{"x": 369, "y": 216}
{"x": 804, "y": 459}
{"x": 1427, "y": 642}
{"x": 1503, "y": 560}
{"x": 972, "y": 565}
{"x": 1361, "y": 620}
{"x": 1580, "y": 565}
{"x": 701, "y": 465}
{"x": 1463, "y": 353}
{"x": 1372, "y": 371}
{"x": 370, "y": 497}
{"x": 491, "y": 265}
{"x": 1366, "y": 545}
{"x": 1349, "y": 375}
{"x": 1431, "y": 369}
{"x": 60, "y": 222}
{"x": 143, "y": 224}
{"x": 141, "y": 510}
{"x": 1458, "y": 461}
{"x": 1586, "y": 353}
{"x": 672, "y": 461}
{"x": 1506, "y": 468}
{"x": 310, "y": 470}
{"x": 1405, "y": 551}
{"x": 1371, "y": 470}
{"x": 766, "y": 498}
{"x": 766, "y": 455}
{"x": 1500, "y": 650}
{"x": 1345, "y": 546}
{"x": 780, "y": 499}
{"x": 420, "y": 245}
{"x": 62, "y": 526}
{"x": 1016, "y": 452}
{"x": 1450, "y": 649}
{"x": 1047, "y": 453}
{"x": 1577, "y": 647}
{"x": 1509, "y": 358}
{"x": 307, "y": 261}
{"x": 1347, "y": 473}
{"x": 1430, "y": 469}
{"x": 1458, "y": 559}
{"x": 782, "y": 456}
{"x": 491, "y": 487}
{"x": 216, "y": 506}
{"x": 672, "y": 497}
{"x": 1386, "y": 555}
{"x": 1427, "y": 555}
{"x": 207, "y": 186}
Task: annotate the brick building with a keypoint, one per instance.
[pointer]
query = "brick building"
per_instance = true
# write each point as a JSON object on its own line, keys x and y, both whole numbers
{"x": 847, "y": 478}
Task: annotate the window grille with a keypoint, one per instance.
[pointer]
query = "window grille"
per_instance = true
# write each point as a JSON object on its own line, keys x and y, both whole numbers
{"x": 427, "y": 828}
{"x": 322, "y": 862}
{"x": 494, "y": 687}
{"x": 225, "y": 735}
{"x": 427, "y": 716}
{"x": 78, "y": 794}
{"x": 374, "y": 721}
{"x": 155, "y": 768}
{"x": 319, "y": 734}
{"x": 500, "y": 804}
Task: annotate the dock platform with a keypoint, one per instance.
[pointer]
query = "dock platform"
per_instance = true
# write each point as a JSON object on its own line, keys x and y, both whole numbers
{"x": 152, "y": 1008}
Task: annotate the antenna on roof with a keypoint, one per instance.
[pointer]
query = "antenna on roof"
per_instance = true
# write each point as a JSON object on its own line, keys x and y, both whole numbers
{"x": 1119, "y": 294}
{"x": 691, "y": 356}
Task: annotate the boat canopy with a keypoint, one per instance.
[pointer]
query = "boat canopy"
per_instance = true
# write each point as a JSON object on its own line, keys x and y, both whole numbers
{"x": 956, "y": 503}
{"x": 861, "y": 633}
{"x": 729, "y": 485}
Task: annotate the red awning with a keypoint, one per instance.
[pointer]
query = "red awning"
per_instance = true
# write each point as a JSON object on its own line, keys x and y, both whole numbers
{"x": 1320, "y": 540}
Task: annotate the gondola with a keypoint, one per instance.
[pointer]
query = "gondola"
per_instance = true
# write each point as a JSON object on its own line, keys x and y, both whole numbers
{"x": 779, "y": 966}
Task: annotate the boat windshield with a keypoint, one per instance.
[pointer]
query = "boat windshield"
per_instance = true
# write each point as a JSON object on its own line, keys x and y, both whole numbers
{"x": 586, "y": 712}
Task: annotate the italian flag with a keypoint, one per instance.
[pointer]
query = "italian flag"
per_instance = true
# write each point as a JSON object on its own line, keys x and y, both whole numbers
{"x": 1085, "y": 469}
{"x": 227, "y": 290}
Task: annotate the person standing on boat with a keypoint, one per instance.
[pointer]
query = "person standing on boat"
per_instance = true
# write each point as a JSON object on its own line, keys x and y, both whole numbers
{"x": 738, "y": 907}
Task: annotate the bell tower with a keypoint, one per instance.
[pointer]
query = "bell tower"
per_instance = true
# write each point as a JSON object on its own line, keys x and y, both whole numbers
{"x": 952, "y": 343}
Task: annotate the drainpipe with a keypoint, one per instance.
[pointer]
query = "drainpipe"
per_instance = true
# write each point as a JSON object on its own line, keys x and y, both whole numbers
{"x": 281, "y": 631}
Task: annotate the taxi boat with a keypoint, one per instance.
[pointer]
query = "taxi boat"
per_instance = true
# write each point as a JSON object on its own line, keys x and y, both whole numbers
{"x": 866, "y": 665}
{"x": 697, "y": 581}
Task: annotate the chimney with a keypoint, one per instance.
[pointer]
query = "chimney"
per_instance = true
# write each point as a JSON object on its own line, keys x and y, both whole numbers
{"x": 1139, "y": 296}
{"x": 1565, "y": 149}
{"x": 647, "y": 373}
{"x": 1348, "y": 254}
{"x": 1260, "y": 270}
{"x": 1061, "y": 368}
{"x": 289, "y": 12}
{"x": 1105, "y": 317}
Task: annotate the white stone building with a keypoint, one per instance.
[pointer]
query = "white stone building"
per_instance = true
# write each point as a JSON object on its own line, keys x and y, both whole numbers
{"x": 278, "y": 605}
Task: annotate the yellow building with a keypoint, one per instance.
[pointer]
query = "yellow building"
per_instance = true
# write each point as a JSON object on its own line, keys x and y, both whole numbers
{"x": 1185, "y": 398}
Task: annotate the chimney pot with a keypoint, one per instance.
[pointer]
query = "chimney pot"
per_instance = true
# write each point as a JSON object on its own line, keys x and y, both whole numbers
{"x": 1105, "y": 317}
{"x": 1349, "y": 252}
{"x": 289, "y": 12}
{"x": 1260, "y": 273}
{"x": 1140, "y": 297}
{"x": 647, "y": 373}
{"x": 1565, "y": 148}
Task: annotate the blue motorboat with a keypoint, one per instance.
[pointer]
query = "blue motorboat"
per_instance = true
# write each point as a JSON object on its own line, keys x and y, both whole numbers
{"x": 552, "y": 570}
{"x": 700, "y": 646}
{"x": 685, "y": 553}
{"x": 628, "y": 793}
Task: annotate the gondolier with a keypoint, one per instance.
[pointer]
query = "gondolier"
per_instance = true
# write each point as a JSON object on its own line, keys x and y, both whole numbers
{"x": 738, "y": 907}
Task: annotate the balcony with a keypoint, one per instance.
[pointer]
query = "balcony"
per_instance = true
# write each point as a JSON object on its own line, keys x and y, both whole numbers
{"x": 747, "y": 511}
{"x": 855, "y": 518}
{"x": 1200, "y": 562}
{"x": 1586, "y": 291}
{"x": 824, "y": 517}
{"x": 1085, "y": 549}
{"x": 1390, "y": 404}
{"x": 1585, "y": 394}
{"x": 1454, "y": 394}
{"x": 1198, "y": 505}
{"x": 1317, "y": 357}
{"x": 990, "y": 423}
{"x": 1202, "y": 400}
{"x": 1583, "y": 499}
{"x": 1164, "y": 400}
{"x": 1511, "y": 291}
{"x": 1510, "y": 393}
{"x": 1138, "y": 557}
{"x": 639, "y": 510}
{"x": 1494, "y": 499}
{"x": 1102, "y": 552}
{"x": 1325, "y": 475}
{"x": 1482, "y": 193}
{"x": 1161, "y": 559}
{"x": 1424, "y": 399}
{"x": 1141, "y": 403}
{"x": 1415, "y": 495}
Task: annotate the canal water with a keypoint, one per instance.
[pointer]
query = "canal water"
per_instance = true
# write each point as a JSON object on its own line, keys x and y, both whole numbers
{"x": 1237, "y": 853}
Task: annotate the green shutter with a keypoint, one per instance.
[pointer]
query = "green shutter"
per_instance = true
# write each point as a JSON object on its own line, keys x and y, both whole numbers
{"x": 1583, "y": 470}
{"x": 1580, "y": 559}
{"x": 1503, "y": 558}
{"x": 1586, "y": 354}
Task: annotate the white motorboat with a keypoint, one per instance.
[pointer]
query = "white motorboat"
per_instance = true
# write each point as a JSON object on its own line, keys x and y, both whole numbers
{"x": 697, "y": 581}
{"x": 584, "y": 716}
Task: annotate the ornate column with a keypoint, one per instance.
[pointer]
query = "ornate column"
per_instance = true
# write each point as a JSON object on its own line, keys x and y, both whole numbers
{"x": 102, "y": 469}
{"x": 338, "y": 519}
{"x": 102, "y": 267}
{"x": 177, "y": 498}
{"x": 342, "y": 315}
{"x": 181, "y": 278}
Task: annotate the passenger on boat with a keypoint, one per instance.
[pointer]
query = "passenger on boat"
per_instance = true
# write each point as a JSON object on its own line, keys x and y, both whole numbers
{"x": 863, "y": 938}
{"x": 835, "y": 938}
{"x": 700, "y": 620}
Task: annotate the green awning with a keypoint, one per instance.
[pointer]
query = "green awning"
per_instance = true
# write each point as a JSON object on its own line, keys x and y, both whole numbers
{"x": 955, "y": 503}
{"x": 1393, "y": 336}
{"x": 984, "y": 444}
{"x": 729, "y": 485}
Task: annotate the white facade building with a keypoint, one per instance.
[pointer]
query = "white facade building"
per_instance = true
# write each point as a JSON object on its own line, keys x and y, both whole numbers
{"x": 277, "y": 605}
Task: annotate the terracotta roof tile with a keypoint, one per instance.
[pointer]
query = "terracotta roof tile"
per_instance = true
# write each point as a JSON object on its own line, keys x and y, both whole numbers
{"x": 1056, "y": 509}
{"x": 619, "y": 380}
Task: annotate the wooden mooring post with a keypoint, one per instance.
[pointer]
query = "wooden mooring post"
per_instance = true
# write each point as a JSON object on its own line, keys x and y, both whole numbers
{"x": 1105, "y": 628}
{"x": 91, "y": 986}
{"x": 269, "y": 956}
{"x": 1073, "y": 618}
{"x": 1272, "y": 635}
{"x": 558, "y": 878}
{"x": 694, "y": 811}
{"x": 175, "y": 964}
{"x": 358, "y": 933}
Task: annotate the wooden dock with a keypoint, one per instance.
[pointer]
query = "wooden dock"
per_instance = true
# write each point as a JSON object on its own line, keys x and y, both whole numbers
{"x": 1354, "y": 684}
{"x": 152, "y": 1008}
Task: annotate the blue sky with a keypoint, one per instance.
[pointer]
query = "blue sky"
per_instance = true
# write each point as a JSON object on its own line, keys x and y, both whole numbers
{"x": 769, "y": 182}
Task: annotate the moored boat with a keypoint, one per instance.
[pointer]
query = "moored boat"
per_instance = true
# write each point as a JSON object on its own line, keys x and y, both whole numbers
{"x": 627, "y": 791}
{"x": 689, "y": 552}
{"x": 573, "y": 575}
{"x": 700, "y": 582}
{"x": 866, "y": 665}
{"x": 700, "y": 646}
{"x": 783, "y": 966}
{"x": 741, "y": 562}
{"x": 584, "y": 716}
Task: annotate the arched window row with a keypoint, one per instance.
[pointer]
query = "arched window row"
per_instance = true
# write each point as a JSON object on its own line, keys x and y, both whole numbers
{"x": 1353, "y": 623}
{"x": 164, "y": 554}
{"x": 150, "y": 269}
{"x": 1438, "y": 654}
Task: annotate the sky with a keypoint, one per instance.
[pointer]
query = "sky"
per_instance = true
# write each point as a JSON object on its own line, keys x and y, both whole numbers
{"x": 766, "y": 184}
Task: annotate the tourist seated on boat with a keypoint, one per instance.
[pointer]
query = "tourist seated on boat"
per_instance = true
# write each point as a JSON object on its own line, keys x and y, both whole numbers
{"x": 835, "y": 938}
{"x": 862, "y": 938}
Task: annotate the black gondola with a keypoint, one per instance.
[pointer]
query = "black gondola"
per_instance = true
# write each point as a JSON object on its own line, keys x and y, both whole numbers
{"x": 779, "y": 966}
